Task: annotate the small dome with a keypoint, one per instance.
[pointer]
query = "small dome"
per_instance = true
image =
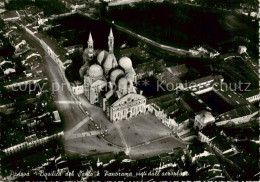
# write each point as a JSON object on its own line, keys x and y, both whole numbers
{"x": 122, "y": 83}
{"x": 85, "y": 54}
{"x": 102, "y": 56}
{"x": 130, "y": 76}
{"x": 126, "y": 63}
{"x": 110, "y": 62}
{"x": 115, "y": 74}
{"x": 83, "y": 70}
{"x": 95, "y": 71}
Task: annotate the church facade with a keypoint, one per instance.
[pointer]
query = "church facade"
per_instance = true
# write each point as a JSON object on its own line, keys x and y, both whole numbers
{"x": 110, "y": 83}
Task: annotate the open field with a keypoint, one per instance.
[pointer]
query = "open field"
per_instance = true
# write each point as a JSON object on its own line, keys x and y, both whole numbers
{"x": 142, "y": 129}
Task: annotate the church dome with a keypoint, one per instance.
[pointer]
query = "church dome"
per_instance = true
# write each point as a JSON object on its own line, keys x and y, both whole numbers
{"x": 95, "y": 71}
{"x": 85, "y": 54}
{"x": 122, "y": 83}
{"x": 110, "y": 62}
{"x": 115, "y": 74}
{"x": 83, "y": 70}
{"x": 102, "y": 56}
{"x": 130, "y": 76}
{"x": 125, "y": 63}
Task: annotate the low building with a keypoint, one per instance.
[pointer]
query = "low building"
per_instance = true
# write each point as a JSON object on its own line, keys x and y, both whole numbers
{"x": 77, "y": 89}
{"x": 241, "y": 49}
{"x": 203, "y": 119}
{"x": 7, "y": 67}
{"x": 178, "y": 71}
{"x": 224, "y": 91}
{"x": 169, "y": 81}
{"x": 252, "y": 96}
{"x": 237, "y": 116}
{"x": 72, "y": 49}
{"x": 204, "y": 84}
{"x": 32, "y": 61}
{"x": 10, "y": 16}
{"x": 204, "y": 51}
{"x": 12, "y": 84}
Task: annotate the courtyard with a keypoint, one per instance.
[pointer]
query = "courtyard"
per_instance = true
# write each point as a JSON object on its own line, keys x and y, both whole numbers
{"x": 139, "y": 137}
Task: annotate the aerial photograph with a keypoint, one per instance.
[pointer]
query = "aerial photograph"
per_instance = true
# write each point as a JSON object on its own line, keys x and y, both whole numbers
{"x": 129, "y": 90}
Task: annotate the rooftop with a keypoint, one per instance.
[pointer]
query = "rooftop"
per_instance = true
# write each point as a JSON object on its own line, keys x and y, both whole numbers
{"x": 10, "y": 14}
{"x": 229, "y": 96}
{"x": 251, "y": 93}
{"x": 178, "y": 70}
{"x": 238, "y": 112}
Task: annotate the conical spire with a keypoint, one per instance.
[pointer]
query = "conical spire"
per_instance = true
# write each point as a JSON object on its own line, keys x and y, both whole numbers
{"x": 90, "y": 46}
{"x": 111, "y": 33}
{"x": 111, "y": 42}
{"x": 90, "y": 37}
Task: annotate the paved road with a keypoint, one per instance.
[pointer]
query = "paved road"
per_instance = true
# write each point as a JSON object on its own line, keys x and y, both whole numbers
{"x": 72, "y": 113}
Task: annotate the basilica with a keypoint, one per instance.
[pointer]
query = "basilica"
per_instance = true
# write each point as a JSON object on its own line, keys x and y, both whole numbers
{"x": 110, "y": 83}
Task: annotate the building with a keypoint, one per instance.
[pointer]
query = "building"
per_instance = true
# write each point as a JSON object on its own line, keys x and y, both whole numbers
{"x": 10, "y": 16}
{"x": 7, "y": 67}
{"x": 203, "y": 119}
{"x": 204, "y": 51}
{"x": 89, "y": 51}
{"x": 237, "y": 116}
{"x": 252, "y": 96}
{"x": 204, "y": 84}
{"x": 110, "y": 83}
{"x": 241, "y": 49}
{"x": 32, "y": 60}
{"x": 178, "y": 71}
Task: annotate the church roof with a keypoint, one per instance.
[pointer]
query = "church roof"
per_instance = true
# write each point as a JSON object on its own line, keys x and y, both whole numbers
{"x": 90, "y": 39}
{"x": 83, "y": 69}
{"x": 111, "y": 33}
{"x": 111, "y": 100}
{"x": 95, "y": 70}
{"x": 125, "y": 63}
{"x": 110, "y": 62}
{"x": 115, "y": 74}
{"x": 102, "y": 56}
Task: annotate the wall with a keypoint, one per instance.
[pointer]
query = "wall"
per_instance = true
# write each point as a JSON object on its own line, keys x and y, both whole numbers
{"x": 236, "y": 121}
{"x": 159, "y": 113}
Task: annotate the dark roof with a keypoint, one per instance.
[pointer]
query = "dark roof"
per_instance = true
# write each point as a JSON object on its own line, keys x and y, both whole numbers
{"x": 229, "y": 96}
{"x": 7, "y": 65}
{"x": 182, "y": 117}
{"x": 171, "y": 80}
{"x": 21, "y": 79}
{"x": 178, "y": 70}
{"x": 238, "y": 112}
{"x": 112, "y": 99}
{"x": 201, "y": 80}
{"x": 193, "y": 102}
{"x": 10, "y": 14}
{"x": 251, "y": 93}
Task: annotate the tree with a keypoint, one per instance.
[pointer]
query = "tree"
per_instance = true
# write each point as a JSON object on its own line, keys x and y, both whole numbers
{"x": 2, "y": 23}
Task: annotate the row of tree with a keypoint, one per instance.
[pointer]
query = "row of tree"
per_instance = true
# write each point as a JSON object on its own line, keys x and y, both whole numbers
{"x": 49, "y": 7}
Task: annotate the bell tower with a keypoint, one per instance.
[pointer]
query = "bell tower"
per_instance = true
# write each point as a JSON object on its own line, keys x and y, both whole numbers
{"x": 111, "y": 42}
{"x": 90, "y": 46}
